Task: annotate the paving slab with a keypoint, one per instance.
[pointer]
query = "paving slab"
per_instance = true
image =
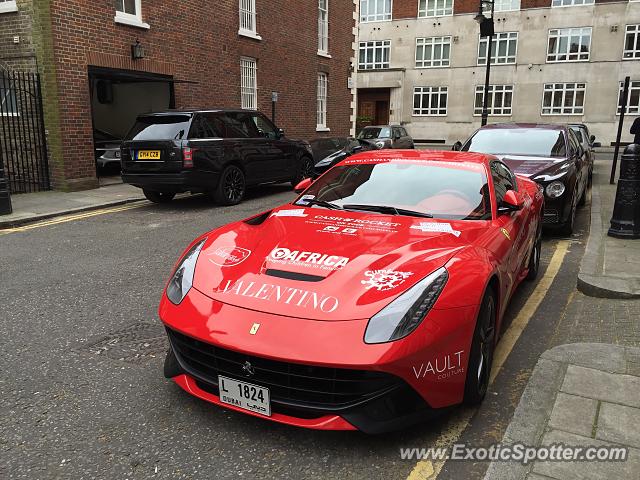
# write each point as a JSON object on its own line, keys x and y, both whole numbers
{"x": 613, "y": 425}
{"x": 574, "y": 414}
{"x": 605, "y": 386}
{"x": 31, "y": 207}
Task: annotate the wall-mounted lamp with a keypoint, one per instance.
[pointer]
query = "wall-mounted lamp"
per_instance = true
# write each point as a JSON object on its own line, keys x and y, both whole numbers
{"x": 137, "y": 50}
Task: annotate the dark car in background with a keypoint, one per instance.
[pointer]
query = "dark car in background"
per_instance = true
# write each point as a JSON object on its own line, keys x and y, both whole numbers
{"x": 218, "y": 152}
{"x": 588, "y": 142}
{"x": 107, "y": 148}
{"x": 549, "y": 154}
{"x": 387, "y": 136}
{"x": 328, "y": 151}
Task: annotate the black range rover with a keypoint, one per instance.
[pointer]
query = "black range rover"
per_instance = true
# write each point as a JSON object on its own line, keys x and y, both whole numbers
{"x": 218, "y": 152}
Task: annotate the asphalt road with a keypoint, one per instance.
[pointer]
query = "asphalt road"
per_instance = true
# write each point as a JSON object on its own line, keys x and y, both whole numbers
{"x": 81, "y": 354}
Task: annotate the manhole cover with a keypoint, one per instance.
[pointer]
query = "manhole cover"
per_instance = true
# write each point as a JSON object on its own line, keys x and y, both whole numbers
{"x": 133, "y": 344}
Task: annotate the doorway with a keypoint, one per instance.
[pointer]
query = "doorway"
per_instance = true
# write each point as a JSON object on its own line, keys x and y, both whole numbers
{"x": 373, "y": 107}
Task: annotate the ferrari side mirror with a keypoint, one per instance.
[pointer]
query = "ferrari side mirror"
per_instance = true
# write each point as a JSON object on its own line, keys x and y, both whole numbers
{"x": 303, "y": 185}
{"x": 511, "y": 202}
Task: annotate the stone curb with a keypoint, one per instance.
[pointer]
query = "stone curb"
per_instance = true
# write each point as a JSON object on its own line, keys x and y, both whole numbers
{"x": 590, "y": 280}
{"x": 44, "y": 216}
{"x": 534, "y": 409}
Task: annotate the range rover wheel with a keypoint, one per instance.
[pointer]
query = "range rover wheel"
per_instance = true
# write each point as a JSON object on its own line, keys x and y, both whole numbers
{"x": 231, "y": 188}
{"x": 305, "y": 170}
{"x": 158, "y": 197}
{"x": 481, "y": 355}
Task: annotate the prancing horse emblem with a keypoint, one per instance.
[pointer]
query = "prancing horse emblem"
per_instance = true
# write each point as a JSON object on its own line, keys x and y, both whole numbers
{"x": 254, "y": 328}
{"x": 248, "y": 369}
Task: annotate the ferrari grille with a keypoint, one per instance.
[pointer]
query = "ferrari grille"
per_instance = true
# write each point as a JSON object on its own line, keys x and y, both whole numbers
{"x": 292, "y": 384}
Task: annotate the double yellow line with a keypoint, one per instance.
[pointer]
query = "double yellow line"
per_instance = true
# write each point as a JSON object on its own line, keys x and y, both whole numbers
{"x": 73, "y": 217}
{"x": 428, "y": 470}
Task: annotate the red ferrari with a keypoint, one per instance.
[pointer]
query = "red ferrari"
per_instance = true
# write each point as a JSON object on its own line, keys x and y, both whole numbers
{"x": 370, "y": 302}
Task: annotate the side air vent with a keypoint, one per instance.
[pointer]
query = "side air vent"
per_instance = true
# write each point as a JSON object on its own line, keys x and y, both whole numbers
{"x": 303, "y": 277}
{"x": 258, "y": 219}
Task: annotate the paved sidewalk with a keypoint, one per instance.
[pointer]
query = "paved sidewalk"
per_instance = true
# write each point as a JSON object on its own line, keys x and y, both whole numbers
{"x": 30, "y": 207}
{"x": 610, "y": 267}
{"x": 581, "y": 394}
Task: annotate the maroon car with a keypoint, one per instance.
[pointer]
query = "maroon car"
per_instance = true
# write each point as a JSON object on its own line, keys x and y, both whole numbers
{"x": 549, "y": 154}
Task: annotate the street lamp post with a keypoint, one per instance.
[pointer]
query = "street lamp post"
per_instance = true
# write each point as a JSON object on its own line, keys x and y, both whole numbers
{"x": 486, "y": 30}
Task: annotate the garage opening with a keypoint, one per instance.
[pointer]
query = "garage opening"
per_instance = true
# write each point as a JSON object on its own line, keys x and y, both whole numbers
{"x": 117, "y": 98}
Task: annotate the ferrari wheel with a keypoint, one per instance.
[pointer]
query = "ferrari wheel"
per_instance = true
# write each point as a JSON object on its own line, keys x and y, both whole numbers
{"x": 534, "y": 258}
{"x": 481, "y": 355}
{"x": 158, "y": 197}
{"x": 305, "y": 170}
{"x": 231, "y": 187}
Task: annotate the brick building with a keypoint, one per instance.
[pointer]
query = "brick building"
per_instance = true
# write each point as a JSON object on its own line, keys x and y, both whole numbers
{"x": 422, "y": 64}
{"x": 104, "y": 61}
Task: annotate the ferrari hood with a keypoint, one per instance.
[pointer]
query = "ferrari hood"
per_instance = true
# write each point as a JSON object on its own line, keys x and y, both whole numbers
{"x": 323, "y": 264}
{"x": 533, "y": 166}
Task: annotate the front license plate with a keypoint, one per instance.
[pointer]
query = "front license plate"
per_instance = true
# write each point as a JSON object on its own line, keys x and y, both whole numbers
{"x": 245, "y": 395}
{"x": 148, "y": 154}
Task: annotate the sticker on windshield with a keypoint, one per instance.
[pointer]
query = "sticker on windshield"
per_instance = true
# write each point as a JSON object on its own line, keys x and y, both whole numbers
{"x": 305, "y": 199}
{"x": 297, "y": 212}
{"x": 436, "y": 227}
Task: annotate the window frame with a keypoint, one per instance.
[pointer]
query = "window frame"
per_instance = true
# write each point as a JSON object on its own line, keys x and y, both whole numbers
{"x": 322, "y": 95}
{"x": 508, "y": 37}
{"x": 439, "y": 90}
{"x": 499, "y": 4}
{"x": 248, "y": 64}
{"x": 386, "y": 16}
{"x": 635, "y": 110}
{"x": 563, "y": 91}
{"x": 571, "y": 34}
{"x": 10, "y": 92}
{"x": 133, "y": 20}
{"x": 573, "y": 3}
{"x": 635, "y": 53}
{"x": 424, "y": 12}
{"x": 247, "y": 9}
{"x": 383, "y": 45}
{"x": 8, "y": 6}
{"x": 492, "y": 92}
{"x": 444, "y": 40}
{"x": 323, "y": 29}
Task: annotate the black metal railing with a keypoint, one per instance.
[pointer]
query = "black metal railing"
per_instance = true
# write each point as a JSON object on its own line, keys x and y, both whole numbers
{"x": 23, "y": 144}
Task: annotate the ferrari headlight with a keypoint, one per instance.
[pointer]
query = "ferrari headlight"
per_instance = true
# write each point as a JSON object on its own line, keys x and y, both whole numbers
{"x": 555, "y": 189}
{"x": 404, "y": 314}
{"x": 182, "y": 279}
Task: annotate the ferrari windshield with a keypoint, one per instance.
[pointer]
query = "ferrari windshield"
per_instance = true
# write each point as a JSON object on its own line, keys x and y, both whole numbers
{"x": 427, "y": 188}
{"x": 536, "y": 142}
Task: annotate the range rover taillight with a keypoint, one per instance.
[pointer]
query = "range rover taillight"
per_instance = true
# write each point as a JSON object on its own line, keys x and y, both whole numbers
{"x": 187, "y": 157}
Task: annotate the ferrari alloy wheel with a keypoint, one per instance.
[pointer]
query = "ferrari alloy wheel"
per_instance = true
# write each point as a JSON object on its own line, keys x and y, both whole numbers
{"x": 534, "y": 258}
{"x": 305, "y": 170}
{"x": 481, "y": 355}
{"x": 231, "y": 187}
{"x": 158, "y": 197}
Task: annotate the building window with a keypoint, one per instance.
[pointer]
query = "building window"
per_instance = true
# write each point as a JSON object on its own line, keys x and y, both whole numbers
{"x": 8, "y": 101}
{"x": 323, "y": 85}
{"x": 430, "y": 101}
{"x": 129, "y": 12}
{"x": 563, "y": 99}
{"x": 569, "y": 3}
{"x": 632, "y": 42}
{"x": 435, "y": 8}
{"x": 504, "y": 47}
{"x": 248, "y": 19}
{"x": 374, "y": 54}
{"x": 248, "y": 84}
{"x": 323, "y": 27}
{"x": 433, "y": 52}
{"x": 503, "y": 6}
{"x": 500, "y": 99}
{"x": 633, "y": 100}
{"x": 8, "y": 6}
{"x": 569, "y": 44}
{"x": 375, "y": 10}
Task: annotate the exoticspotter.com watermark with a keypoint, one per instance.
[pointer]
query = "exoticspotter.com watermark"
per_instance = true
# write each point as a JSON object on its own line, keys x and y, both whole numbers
{"x": 518, "y": 452}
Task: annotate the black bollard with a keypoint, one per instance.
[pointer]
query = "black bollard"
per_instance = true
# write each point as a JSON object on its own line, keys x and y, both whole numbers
{"x": 625, "y": 222}
{"x": 5, "y": 197}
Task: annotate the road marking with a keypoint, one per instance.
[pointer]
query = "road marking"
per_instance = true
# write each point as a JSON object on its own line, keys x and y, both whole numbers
{"x": 73, "y": 217}
{"x": 428, "y": 470}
